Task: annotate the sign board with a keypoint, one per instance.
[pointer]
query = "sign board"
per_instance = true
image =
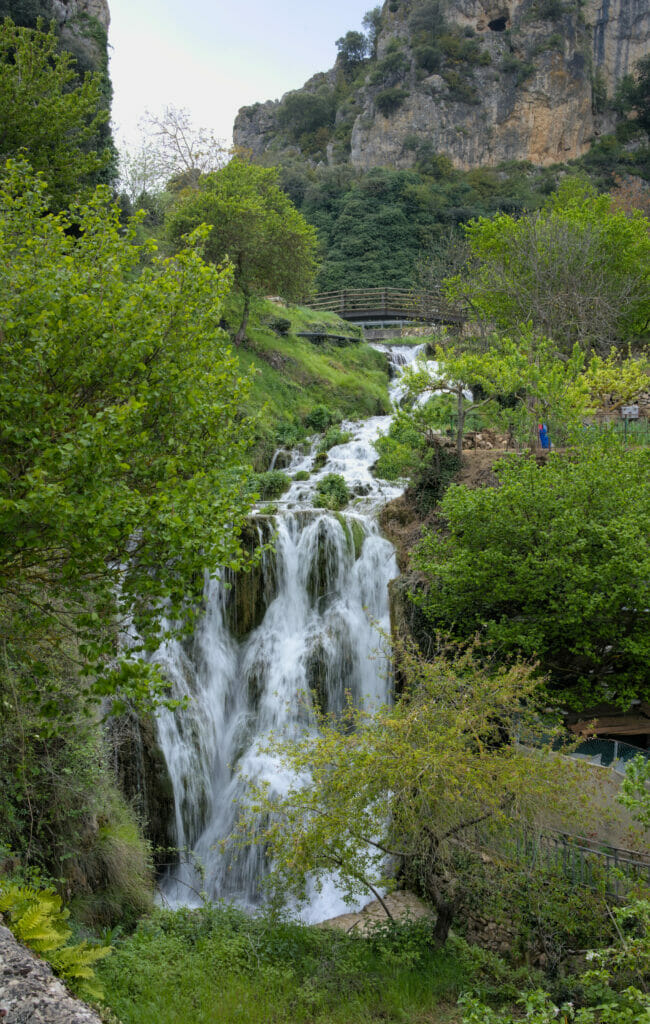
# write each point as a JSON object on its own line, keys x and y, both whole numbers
{"x": 630, "y": 412}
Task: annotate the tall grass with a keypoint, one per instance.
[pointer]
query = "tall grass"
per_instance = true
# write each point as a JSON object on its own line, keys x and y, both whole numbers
{"x": 217, "y": 965}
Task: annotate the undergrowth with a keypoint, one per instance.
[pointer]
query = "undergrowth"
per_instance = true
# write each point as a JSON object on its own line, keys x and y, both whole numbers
{"x": 179, "y": 966}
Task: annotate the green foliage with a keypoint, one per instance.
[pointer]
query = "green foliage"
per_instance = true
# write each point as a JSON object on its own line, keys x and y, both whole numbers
{"x": 352, "y": 48}
{"x": 518, "y": 384}
{"x": 271, "y": 484}
{"x": 391, "y": 69}
{"x": 390, "y": 100}
{"x": 578, "y": 270}
{"x": 38, "y": 919}
{"x": 410, "y": 449}
{"x": 374, "y": 226}
{"x": 320, "y": 418}
{"x": 268, "y": 969}
{"x": 59, "y": 808}
{"x": 254, "y": 226}
{"x": 280, "y": 324}
{"x": 46, "y": 112}
{"x": 299, "y": 388}
{"x": 427, "y": 22}
{"x": 331, "y": 492}
{"x": 26, "y": 12}
{"x": 634, "y": 789}
{"x": 428, "y": 57}
{"x": 512, "y": 65}
{"x": 410, "y": 781}
{"x": 640, "y": 97}
{"x": 333, "y": 436}
{"x": 121, "y": 437}
{"x": 552, "y": 565}
{"x": 372, "y": 23}
{"x": 305, "y": 112}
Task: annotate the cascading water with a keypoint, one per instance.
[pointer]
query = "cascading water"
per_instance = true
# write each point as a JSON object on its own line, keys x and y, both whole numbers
{"x": 324, "y": 596}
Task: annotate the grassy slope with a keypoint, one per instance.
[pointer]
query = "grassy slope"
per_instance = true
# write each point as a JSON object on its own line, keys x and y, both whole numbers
{"x": 291, "y": 375}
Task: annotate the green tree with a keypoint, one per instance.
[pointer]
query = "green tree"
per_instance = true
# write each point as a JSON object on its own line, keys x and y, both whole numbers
{"x": 551, "y": 566}
{"x": 48, "y": 115}
{"x": 538, "y": 384}
{"x": 640, "y": 93}
{"x": 255, "y": 226}
{"x": 352, "y": 47}
{"x": 407, "y": 784}
{"x": 372, "y": 23}
{"x": 579, "y": 270}
{"x": 122, "y": 444}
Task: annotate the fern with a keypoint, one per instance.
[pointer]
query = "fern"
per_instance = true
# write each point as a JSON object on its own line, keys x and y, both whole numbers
{"x": 38, "y": 919}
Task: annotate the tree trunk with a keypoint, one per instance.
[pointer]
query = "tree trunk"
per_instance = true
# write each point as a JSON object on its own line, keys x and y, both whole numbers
{"x": 461, "y": 419}
{"x": 241, "y": 333}
{"x": 445, "y": 910}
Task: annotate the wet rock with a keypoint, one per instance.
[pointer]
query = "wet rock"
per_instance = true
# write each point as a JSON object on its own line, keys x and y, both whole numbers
{"x": 251, "y": 592}
{"x": 141, "y": 772}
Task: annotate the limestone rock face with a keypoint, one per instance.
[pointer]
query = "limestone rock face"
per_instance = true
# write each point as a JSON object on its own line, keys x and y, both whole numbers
{"x": 29, "y": 992}
{"x": 543, "y": 69}
{"x": 67, "y": 10}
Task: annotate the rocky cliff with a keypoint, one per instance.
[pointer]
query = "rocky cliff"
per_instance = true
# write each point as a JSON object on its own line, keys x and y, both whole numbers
{"x": 478, "y": 81}
{"x": 82, "y": 26}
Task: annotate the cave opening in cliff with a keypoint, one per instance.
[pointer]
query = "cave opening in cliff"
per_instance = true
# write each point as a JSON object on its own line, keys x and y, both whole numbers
{"x": 498, "y": 24}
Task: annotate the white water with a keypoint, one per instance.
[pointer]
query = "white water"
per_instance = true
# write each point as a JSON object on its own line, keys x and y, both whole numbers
{"x": 327, "y": 608}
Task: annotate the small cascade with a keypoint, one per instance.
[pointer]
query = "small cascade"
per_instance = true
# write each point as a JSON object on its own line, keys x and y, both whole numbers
{"x": 316, "y": 632}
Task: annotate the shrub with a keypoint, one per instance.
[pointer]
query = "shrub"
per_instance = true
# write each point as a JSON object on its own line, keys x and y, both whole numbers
{"x": 428, "y": 57}
{"x": 272, "y": 484}
{"x": 302, "y": 474}
{"x": 393, "y": 67}
{"x": 320, "y": 418}
{"x": 390, "y": 100}
{"x": 511, "y": 65}
{"x": 332, "y": 437}
{"x": 332, "y": 492}
{"x": 280, "y": 325}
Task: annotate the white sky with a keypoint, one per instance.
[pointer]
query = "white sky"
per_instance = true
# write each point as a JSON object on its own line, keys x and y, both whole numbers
{"x": 214, "y": 57}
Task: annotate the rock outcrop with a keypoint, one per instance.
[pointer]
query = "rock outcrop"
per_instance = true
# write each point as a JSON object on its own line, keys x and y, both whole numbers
{"x": 490, "y": 81}
{"x": 82, "y": 26}
{"x": 30, "y": 993}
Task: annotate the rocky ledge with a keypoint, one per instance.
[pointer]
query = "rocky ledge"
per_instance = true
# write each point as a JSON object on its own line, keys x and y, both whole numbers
{"x": 30, "y": 993}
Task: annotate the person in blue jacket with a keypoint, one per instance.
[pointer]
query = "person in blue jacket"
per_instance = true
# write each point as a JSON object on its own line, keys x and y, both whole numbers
{"x": 544, "y": 439}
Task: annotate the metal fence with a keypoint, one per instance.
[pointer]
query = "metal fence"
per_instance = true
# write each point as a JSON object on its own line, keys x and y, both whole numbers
{"x": 581, "y": 860}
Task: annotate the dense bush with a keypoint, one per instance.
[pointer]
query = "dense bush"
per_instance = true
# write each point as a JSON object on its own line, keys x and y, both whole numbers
{"x": 320, "y": 418}
{"x": 390, "y": 100}
{"x": 331, "y": 492}
{"x": 553, "y": 566}
{"x": 271, "y": 484}
{"x": 333, "y": 436}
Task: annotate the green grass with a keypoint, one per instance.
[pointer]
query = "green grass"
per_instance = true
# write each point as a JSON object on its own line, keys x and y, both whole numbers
{"x": 216, "y": 966}
{"x": 292, "y": 376}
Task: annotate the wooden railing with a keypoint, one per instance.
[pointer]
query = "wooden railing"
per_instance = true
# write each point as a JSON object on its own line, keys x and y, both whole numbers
{"x": 386, "y": 304}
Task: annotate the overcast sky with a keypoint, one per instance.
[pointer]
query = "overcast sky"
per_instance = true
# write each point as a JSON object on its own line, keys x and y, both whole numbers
{"x": 214, "y": 57}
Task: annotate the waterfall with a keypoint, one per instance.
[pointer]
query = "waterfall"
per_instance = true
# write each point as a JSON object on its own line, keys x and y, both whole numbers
{"x": 318, "y": 634}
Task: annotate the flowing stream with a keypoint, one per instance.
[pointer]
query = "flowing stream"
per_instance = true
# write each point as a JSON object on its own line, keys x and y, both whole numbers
{"x": 305, "y": 625}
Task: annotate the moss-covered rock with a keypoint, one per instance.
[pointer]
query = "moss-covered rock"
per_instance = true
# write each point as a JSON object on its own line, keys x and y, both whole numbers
{"x": 251, "y": 592}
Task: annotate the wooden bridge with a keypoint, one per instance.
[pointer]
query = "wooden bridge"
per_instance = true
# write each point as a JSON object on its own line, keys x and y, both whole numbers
{"x": 374, "y": 305}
